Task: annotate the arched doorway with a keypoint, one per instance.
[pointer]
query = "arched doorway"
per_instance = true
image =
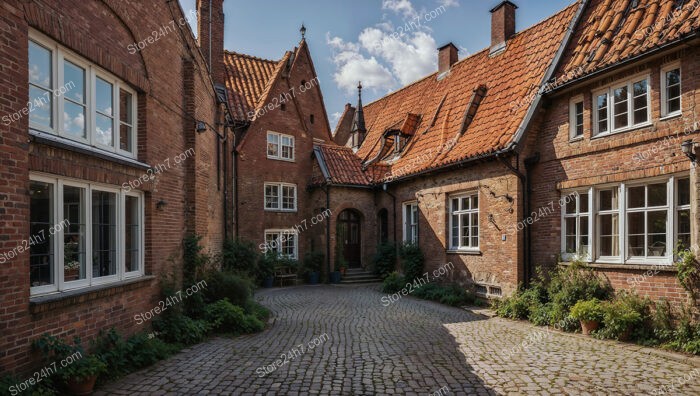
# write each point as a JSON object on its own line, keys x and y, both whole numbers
{"x": 349, "y": 237}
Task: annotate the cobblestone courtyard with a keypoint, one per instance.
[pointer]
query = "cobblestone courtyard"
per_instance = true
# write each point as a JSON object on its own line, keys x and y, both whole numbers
{"x": 411, "y": 347}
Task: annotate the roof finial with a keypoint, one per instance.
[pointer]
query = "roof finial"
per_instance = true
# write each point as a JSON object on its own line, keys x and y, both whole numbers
{"x": 303, "y": 31}
{"x": 359, "y": 89}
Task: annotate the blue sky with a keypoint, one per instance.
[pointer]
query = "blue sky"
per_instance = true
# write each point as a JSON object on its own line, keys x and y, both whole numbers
{"x": 385, "y": 43}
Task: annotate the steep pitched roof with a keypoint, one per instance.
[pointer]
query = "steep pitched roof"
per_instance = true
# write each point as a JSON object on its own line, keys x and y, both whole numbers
{"x": 247, "y": 79}
{"x": 340, "y": 165}
{"x": 442, "y": 104}
{"x": 341, "y": 135}
{"x": 612, "y": 31}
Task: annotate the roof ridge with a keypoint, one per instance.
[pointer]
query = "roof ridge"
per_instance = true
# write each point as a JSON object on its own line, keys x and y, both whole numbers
{"x": 257, "y": 58}
{"x": 474, "y": 54}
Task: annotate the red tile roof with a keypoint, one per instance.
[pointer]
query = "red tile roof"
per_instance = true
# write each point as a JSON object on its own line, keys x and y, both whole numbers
{"x": 343, "y": 166}
{"x": 612, "y": 31}
{"x": 247, "y": 80}
{"x": 441, "y": 104}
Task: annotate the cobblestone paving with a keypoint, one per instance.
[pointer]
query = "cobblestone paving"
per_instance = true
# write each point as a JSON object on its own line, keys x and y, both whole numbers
{"x": 411, "y": 347}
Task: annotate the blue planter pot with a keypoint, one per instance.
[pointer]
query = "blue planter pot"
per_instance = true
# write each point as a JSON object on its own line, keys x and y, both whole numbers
{"x": 268, "y": 282}
{"x": 313, "y": 278}
{"x": 335, "y": 277}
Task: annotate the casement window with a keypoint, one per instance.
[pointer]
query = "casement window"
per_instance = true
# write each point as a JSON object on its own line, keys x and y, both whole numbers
{"x": 82, "y": 234}
{"x": 284, "y": 242}
{"x": 410, "y": 222}
{"x": 671, "y": 90}
{"x": 281, "y": 197}
{"x": 622, "y": 106}
{"x": 635, "y": 223}
{"x": 576, "y": 224}
{"x": 76, "y": 100}
{"x": 576, "y": 118}
{"x": 464, "y": 222}
{"x": 280, "y": 146}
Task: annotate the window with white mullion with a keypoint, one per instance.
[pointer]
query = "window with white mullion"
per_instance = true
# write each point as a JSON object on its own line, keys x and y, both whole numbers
{"x": 682, "y": 209}
{"x": 280, "y": 197}
{"x": 42, "y": 76}
{"x": 464, "y": 222}
{"x": 576, "y": 225}
{"x": 73, "y": 106}
{"x": 647, "y": 220}
{"x": 622, "y": 106}
{"x": 410, "y": 228}
{"x": 608, "y": 223}
{"x": 671, "y": 90}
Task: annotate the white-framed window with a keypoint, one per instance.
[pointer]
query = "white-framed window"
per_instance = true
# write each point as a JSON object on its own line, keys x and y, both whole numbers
{"x": 671, "y": 90}
{"x": 280, "y": 146}
{"x": 576, "y": 224}
{"x": 82, "y": 234}
{"x": 410, "y": 222}
{"x": 464, "y": 222}
{"x": 284, "y": 242}
{"x": 636, "y": 222}
{"x": 74, "y": 99}
{"x": 622, "y": 106}
{"x": 281, "y": 197}
{"x": 576, "y": 117}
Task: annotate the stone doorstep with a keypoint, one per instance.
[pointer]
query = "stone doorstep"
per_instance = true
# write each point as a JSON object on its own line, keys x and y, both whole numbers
{"x": 679, "y": 357}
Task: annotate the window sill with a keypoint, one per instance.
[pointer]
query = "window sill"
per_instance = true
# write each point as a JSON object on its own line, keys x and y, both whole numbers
{"x": 67, "y": 144}
{"x": 49, "y": 302}
{"x": 464, "y": 252}
{"x": 661, "y": 267}
{"x": 576, "y": 139}
{"x": 281, "y": 159}
{"x": 629, "y": 129}
{"x": 671, "y": 116}
{"x": 280, "y": 211}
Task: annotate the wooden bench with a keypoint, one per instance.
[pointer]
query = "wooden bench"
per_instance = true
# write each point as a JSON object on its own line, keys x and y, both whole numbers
{"x": 285, "y": 273}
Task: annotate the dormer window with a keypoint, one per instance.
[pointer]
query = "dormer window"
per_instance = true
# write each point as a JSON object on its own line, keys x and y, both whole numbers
{"x": 397, "y": 144}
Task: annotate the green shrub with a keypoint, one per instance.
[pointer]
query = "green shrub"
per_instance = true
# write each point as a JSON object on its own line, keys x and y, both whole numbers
{"x": 572, "y": 284}
{"x": 176, "y": 328}
{"x": 83, "y": 365}
{"x": 194, "y": 261}
{"x": 384, "y": 260}
{"x": 521, "y": 305}
{"x": 266, "y": 266}
{"x": 10, "y": 384}
{"x": 587, "y": 310}
{"x": 393, "y": 283}
{"x": 228, "y": 318}
{"x": 252, "y": 307}
{"x": 541, "y": 314}
{"x": 240, "y": 256}
{"x": 688, "y": 269}
{"x": 684, "y": 336}
{"x": 412, "y": 261}
{"x": 453, "y": 295}
{"x": 224, "y": 284}
{"x": 619, "y": 317}
{"x": 313, "y": 262}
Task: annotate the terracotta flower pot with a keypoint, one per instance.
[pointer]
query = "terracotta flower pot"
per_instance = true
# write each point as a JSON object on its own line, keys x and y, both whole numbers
{"x": 626, "y": 335}
{"x": 82, "y": 387}
{"x": 589, "y": 326}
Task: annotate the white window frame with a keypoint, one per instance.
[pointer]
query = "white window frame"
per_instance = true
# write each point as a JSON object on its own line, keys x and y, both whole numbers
{"x": 573, "y": 122}
{"x": 59, "y": 54}
{"x": 577, "y": 194}
{"x": 624, "y": 257}
{"x": 278, "y": 233}
{"x": 678, "y": 208}
{"x": 458, "y": 212}
{"x": 59, "y": 237}
{"x": 280, "y": 194}
{"x": 410, "y": 222}
{"x": 664, "y": 88}
{"x": 610, "y": 91}
{"x": 279, "y": 155}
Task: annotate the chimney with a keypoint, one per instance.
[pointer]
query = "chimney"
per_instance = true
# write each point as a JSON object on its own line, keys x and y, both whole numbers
{"x": 502, "y": 26}
{"x": 447, "y": 56}
{"x": 210, "y": 34}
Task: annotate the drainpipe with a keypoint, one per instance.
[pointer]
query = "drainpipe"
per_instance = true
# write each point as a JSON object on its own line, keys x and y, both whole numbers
{"x": 529, "y": 163}
{"x": 385, "y": 187}
{"x": 526, "y": 210}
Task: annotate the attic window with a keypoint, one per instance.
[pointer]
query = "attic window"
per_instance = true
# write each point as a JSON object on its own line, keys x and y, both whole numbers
{"x": 397, "y": 144}
{"x": 474, "y": 103}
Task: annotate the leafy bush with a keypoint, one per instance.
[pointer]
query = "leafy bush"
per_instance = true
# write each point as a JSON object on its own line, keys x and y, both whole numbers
{"x": 453, "y": 295}
{"x": 254, "y": 308}
{"x": 83, "y": 365}
{"x": 180, "y": 329}
{"x": 313, "y": 262}
{"x": 684, "y": 336}
{"x": 240, "y": 256}
{"x": 412, "y": 260}
{"x": 228, "y": 318}
{"x": 572, "y": 284}
{"x": 688, "y": 271}
{"x": 521, "y": 305}
{"x": 384, "y": 260}
{"x": 619, "y": 317}
{"x": 225, "y": 284}
{"x": 393, "y": 283}
{"x": 587, "y": 310}
{"x": 266, "y": 266}
{"x": 193, "y": 260}
{"x": 44, "y": 388}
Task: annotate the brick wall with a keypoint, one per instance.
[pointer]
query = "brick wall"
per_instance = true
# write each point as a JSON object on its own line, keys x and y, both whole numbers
{"x": 102, "y": 32}
{"x": 638, "y": 154}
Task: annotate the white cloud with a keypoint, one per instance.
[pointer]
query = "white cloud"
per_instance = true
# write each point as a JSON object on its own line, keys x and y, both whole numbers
{"x": 411, "y": 56}
{"x": 403, "y": 7}
{"x": 449, "y": 3}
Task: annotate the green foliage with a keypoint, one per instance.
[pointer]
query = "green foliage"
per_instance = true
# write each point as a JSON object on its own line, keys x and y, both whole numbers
{"x": 180, "y": 329}
{"x": 313, "y": 261}
{"x": 193, "y": 259}
{"x": 83, "y": 365}
{"x": 254, "y": 308}
{"x": 124, "y": 356}
{"x": 572, "y": 284}
{"x": 588, "y": 310}
{"x": 688, "y": 272}
{"x": 44, "y": 388}
{"x": 240, "y": 256}
{"x": 619, "y": 317}
{"x": 453, "y": 295}
{"x": 228, "y": 318}
{"x": 266, "y": 266}
{"x": 684, "y": 336}
{"x": 384, "y": 260}
{"x": 225, "y": 284}
{"x": 412, "y": 260}
{"x": 521, "y": 305}
{"x": 393, "y": 283}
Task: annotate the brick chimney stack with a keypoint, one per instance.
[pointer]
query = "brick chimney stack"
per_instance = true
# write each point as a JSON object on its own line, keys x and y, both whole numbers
{"x": 502, "y": 25}
{"x": 210, "y": 34}
{"x": 447, "y": 56}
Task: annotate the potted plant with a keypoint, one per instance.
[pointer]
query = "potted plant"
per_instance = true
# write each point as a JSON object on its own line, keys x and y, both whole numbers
{"x": 312, "y": 265}
{"x": 78, "y": 371}
{"x": 266, "y": 269}
{"x": 343, "y": 267}
{"x": 589, "y": 313}
{"x": 619, "y": 319}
